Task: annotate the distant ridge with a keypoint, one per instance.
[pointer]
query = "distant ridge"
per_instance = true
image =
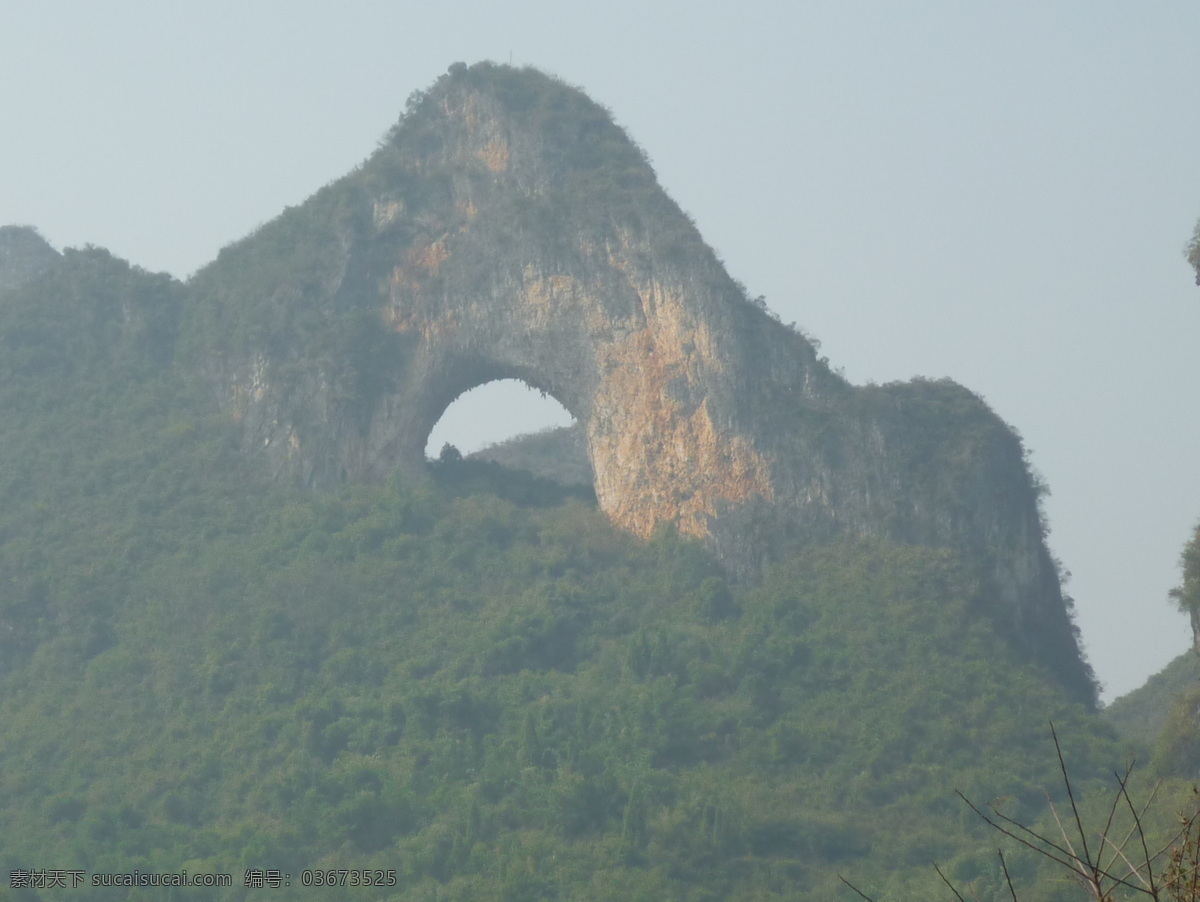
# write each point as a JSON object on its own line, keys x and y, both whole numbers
{"x": 558, "y": 454}
{"x": 1141, "y": 714}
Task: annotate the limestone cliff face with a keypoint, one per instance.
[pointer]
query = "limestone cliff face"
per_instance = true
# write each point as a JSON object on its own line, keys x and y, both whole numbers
{"x": 508, "y": 229}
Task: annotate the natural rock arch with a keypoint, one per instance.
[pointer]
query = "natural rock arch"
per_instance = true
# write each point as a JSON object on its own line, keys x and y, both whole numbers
{"x": 509, "y": 229}
{"x": 491, "y": 239}
{"x": 644, "y": 372}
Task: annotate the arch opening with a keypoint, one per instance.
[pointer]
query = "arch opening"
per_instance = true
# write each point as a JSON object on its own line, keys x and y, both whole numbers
{"x": 494, "y": 412}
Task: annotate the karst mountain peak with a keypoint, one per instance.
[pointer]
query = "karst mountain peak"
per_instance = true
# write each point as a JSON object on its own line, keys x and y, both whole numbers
{"x": 506, "y": 227}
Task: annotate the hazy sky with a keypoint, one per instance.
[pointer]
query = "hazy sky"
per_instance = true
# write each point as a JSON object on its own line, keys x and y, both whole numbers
{"x": 995, "y": 192}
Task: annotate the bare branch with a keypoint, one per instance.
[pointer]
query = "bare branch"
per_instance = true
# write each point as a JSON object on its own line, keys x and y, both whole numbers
{"x": 1011, "y": 835}
{"x": 1112, "y": 813}
{"x": 855, "y": 888}
{"x": 1069, "y": 860}
{"x": 1179, "y": 878}
{"x": 1074, "y": 856}
{"x": 1133, "y": 870}
{"x": 1007, "y": 879}
{"x": 1087, "y": 857}
{"x": 1123, "y": 792}
{"x": 948, "y": 883}
{"x": 1134, "y": 829}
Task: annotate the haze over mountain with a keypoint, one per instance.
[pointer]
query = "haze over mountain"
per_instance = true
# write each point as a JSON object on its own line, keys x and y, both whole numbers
{"x": 997, "y": 195}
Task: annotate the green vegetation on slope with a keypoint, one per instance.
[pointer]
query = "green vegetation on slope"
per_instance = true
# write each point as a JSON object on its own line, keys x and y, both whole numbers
{"x": 1140, "y": 715}
{"x": 489, "y": 697}
{"x": 480, "y": 684}
{"x": 1162, "y": 717}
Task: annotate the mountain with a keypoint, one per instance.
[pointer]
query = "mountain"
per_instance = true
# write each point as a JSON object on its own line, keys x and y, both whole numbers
{"x": 507, "y": 228}
{"x": 243, "y": 628}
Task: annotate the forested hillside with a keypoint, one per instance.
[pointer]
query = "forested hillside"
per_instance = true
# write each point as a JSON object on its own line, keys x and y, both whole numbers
{"x": 479, "y": 684}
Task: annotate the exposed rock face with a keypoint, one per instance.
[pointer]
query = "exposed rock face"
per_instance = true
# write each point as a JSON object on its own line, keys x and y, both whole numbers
{"x": 508, "y": 229}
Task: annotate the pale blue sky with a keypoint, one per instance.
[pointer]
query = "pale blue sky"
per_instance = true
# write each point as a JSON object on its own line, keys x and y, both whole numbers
{"x": 995, "y": 192}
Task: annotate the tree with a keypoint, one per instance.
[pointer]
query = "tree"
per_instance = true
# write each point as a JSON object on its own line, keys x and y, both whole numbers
{"x": 1187, "y": 594}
